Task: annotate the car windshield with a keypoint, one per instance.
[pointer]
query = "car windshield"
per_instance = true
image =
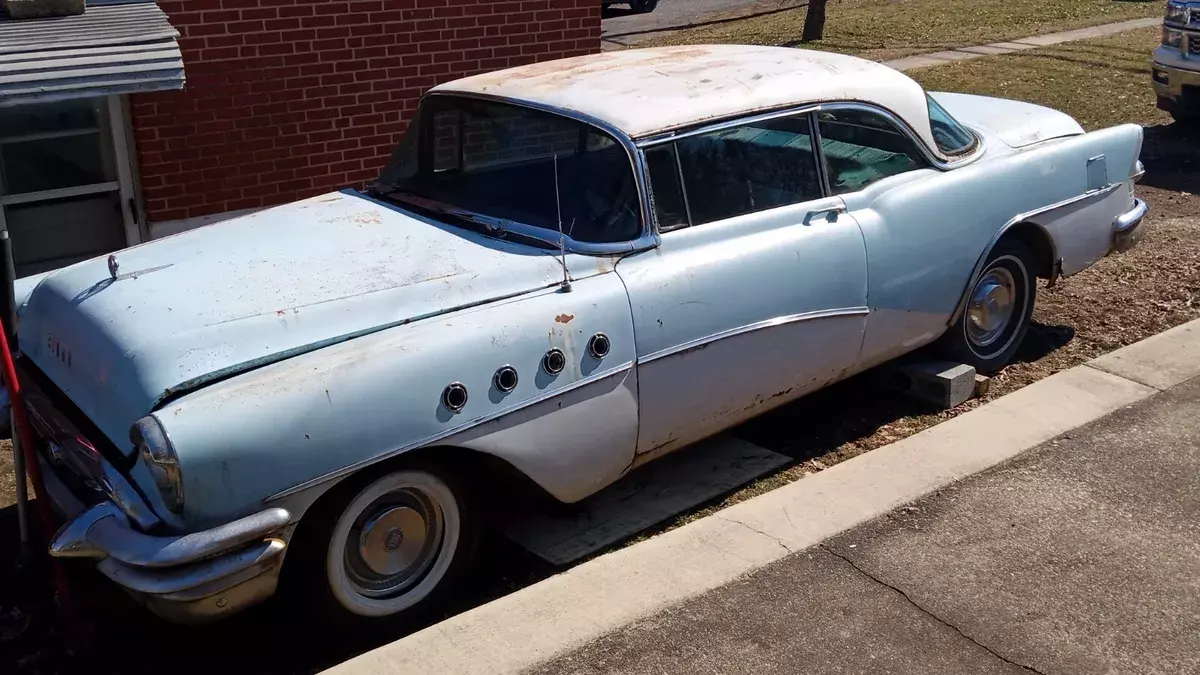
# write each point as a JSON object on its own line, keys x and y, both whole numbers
{"x": 512, "y": 163}
{"x": 951, "y": 137}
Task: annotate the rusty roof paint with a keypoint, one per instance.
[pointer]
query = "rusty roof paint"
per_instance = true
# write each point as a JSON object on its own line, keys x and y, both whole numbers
{"x": 647, "y": 91}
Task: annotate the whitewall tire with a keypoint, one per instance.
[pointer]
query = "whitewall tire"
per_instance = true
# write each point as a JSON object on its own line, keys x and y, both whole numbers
{"x": 386, "y": 545}
{"x": 999, "y": 308}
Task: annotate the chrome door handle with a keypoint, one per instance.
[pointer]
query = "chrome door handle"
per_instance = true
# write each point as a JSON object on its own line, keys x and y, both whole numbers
{"x": 832, "y": 211}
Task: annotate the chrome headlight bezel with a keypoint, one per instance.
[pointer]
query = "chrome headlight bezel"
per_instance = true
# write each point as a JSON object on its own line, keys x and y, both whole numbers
{"x": 1177, "y": 13}
{"x": 161, "y": 460}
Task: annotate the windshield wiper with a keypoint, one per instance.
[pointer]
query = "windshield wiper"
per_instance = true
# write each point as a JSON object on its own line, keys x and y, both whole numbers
{"x": 492, "y": 225}
{"x": 496, "y": 227}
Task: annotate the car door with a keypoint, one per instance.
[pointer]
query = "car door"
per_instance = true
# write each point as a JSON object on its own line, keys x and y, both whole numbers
{"x": 757, "y": 292}
{"x": 919, "y": 237}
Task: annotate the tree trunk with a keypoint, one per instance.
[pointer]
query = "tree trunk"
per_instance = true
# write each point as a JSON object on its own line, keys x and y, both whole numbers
{"x": 814, "y": 21}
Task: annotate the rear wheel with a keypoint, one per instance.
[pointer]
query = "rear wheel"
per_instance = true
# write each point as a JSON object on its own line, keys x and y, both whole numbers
{"x": 643, "y": 6}
{"x": 998, "y": 312}
{"x": 388, "y": 545}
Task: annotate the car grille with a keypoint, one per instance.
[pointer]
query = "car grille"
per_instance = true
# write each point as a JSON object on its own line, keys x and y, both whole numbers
{"x": 1194, "y": 43}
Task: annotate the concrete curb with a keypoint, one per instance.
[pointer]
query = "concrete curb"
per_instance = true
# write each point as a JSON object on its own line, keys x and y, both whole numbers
{"x": 565, "y": 612}
{"x": 979, "y": 51}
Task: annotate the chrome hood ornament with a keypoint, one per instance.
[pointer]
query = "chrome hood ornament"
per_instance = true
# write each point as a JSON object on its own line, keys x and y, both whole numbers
{"x": 113, "y": 266}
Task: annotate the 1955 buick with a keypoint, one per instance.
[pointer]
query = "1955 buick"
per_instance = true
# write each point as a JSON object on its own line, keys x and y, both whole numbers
{"x": 566, "y": 270}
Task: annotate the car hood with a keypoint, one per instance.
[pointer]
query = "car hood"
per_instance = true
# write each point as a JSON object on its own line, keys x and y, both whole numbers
{"x": 229, "y": 297}
{"x": 1015, "y": 123}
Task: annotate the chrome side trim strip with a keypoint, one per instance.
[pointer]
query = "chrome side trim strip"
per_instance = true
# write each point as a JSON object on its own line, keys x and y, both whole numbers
{"x": 750, "y": 328}
{"x": 446, "y": 433}
{"x": 1021, "y": 217}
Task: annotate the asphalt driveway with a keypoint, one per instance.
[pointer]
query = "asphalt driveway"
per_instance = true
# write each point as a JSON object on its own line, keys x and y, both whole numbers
{"x": 1081, "y": 556}
{"x": 622, "y": 27}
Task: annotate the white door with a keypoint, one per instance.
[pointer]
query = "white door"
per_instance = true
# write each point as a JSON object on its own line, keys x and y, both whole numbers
{"x": 66, "y": 190}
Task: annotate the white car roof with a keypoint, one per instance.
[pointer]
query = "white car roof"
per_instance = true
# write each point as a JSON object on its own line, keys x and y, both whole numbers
{"x": 642, "y": 92}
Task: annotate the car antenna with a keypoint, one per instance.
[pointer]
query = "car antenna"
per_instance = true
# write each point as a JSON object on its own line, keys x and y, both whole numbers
{"x": 562, "y": 238}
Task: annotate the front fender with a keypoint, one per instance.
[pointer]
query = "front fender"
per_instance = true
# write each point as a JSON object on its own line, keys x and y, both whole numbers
{"x": 299, "y": 425}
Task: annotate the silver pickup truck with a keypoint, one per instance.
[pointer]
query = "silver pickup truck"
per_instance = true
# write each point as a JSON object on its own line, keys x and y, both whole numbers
{"x": 1177, "y": 61}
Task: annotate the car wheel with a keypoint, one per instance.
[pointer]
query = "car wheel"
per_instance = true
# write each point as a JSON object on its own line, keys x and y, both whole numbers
{"x": 643, "y": 6}
{"x": 388, "y": 545}
{"x": 998, "y": 310}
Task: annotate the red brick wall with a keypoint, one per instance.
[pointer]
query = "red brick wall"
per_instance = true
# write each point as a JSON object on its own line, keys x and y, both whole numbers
{"x": 290, "y": 98}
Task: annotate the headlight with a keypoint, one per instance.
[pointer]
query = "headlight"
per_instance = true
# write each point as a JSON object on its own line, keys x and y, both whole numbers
{"x": 1177, "y": 13}
{"x": 160, "y": 458}
{"x": 1172, "y": 37}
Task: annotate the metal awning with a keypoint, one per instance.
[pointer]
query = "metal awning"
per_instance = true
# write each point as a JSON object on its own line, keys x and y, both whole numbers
{"x": 114, "y": 47}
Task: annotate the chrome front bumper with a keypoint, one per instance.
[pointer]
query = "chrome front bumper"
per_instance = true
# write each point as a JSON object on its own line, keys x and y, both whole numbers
{"x": 1127, "y": 228}
{"x": 190, "y": 578}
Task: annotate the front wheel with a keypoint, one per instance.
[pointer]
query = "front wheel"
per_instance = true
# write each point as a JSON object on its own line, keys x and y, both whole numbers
{"x": 998, "y": 311}
{"x": 390, "y": 545}
{"x": 643, "y": 6}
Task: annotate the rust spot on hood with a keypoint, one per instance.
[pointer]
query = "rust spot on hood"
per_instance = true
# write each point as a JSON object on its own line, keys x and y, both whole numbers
{"x": 564, "y": 318}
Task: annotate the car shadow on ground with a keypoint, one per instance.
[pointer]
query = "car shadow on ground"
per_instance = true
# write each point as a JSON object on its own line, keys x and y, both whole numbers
{"x": 1169, "y": 152}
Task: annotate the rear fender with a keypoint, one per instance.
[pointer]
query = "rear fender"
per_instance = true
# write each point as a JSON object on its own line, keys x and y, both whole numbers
{"x": 1097, "y": 188}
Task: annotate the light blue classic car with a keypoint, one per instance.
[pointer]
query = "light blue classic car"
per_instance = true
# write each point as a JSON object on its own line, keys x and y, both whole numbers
{"x": 567, "y": 270}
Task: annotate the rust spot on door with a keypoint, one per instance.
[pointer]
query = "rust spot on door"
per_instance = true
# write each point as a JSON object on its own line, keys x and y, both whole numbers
{"x": 564, "y": 318}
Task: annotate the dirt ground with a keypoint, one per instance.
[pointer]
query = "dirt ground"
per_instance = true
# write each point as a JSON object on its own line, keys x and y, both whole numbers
{"x": 1119, "y": 301}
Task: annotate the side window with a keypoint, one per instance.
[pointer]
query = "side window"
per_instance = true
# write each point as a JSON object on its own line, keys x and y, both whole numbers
{"x": 863, "y": 147}
{"x": 665, "y": 189}
{"x": 732, "y": 172}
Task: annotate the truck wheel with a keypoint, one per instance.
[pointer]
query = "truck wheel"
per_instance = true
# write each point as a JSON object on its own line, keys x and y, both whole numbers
{"x": 643, "y": 6}
{"x": 388, "y": 545}
{"x": 999, "y": 308}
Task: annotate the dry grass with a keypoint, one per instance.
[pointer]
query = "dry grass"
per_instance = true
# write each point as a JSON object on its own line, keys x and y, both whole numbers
{"x": 895, "y": 28}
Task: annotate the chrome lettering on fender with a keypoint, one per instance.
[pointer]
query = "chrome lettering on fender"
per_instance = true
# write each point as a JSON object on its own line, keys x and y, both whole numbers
{"x": 58, "y": 350}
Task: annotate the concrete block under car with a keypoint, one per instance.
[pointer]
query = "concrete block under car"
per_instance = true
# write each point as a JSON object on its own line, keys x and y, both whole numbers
{"x": 941, "y": 383}
{"x": 36, "y": 9}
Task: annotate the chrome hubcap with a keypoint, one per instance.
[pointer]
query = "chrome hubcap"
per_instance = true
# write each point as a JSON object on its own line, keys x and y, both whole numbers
{"x": 991, "y": 307}
{"x": 394, "y": 543}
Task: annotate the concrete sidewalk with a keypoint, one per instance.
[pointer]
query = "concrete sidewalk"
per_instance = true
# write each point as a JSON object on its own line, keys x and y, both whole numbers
{"x": 1032, "y": 42}
{"x": 1080, "y": 556}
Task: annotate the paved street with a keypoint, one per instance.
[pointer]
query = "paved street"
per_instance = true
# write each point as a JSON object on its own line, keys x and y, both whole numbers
{"x": 623, "y": 27}
{"x": 1080, "y": 556}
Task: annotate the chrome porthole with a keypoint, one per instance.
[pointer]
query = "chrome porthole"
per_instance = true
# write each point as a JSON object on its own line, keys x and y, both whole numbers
{"x": 454, "y": 396}
{"x": 554, "y": 361}
{"x": 505, "y": 378}
{"x": 599, "y": 346}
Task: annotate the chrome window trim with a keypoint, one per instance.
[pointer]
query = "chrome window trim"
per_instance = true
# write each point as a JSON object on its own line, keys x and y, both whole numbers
{"x": 934, "y": 158}
{"x": 457, "y": 429}
{"x": 649, "y": 236}
{"x": 814, "y": 140}
{"x": 728, "y": 123}
{"x": 751, "y": 328}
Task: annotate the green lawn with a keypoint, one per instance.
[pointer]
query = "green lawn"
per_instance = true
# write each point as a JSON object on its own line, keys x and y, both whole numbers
{"x": 888, "y": 29}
